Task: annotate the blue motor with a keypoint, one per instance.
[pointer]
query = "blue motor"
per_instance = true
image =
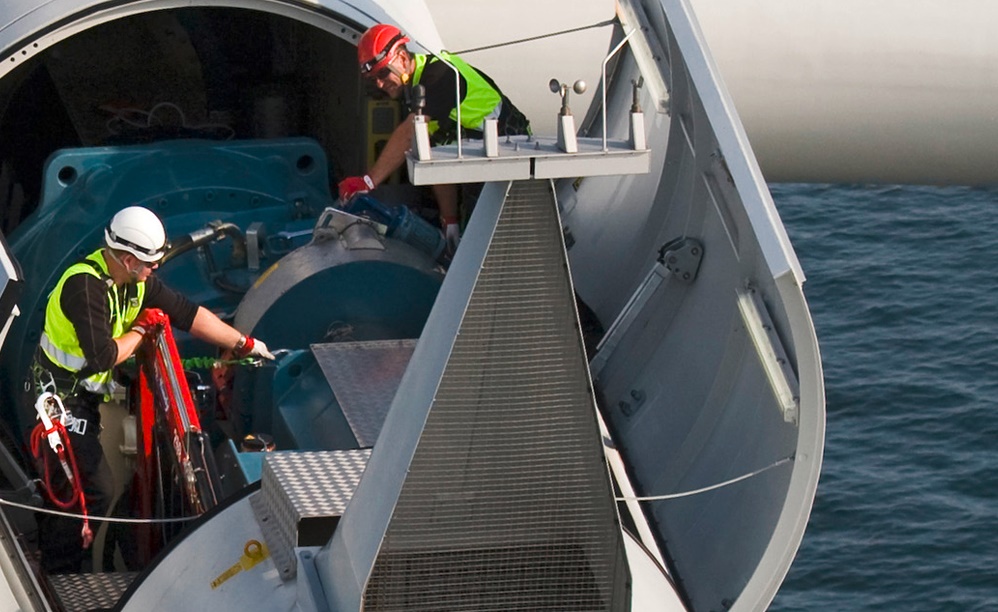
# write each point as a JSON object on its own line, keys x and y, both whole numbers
{"x": 402, "y": 224}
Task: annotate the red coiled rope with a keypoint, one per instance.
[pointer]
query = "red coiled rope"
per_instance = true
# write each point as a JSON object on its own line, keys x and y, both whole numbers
{"x": 64, "y": 450}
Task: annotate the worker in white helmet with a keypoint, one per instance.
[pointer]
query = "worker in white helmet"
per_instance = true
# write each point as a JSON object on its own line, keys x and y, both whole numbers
{"x": 95, "y": 319}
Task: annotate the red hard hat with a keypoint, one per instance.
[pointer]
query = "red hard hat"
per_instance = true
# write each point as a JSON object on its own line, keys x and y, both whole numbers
{"x": 377, "y": 45}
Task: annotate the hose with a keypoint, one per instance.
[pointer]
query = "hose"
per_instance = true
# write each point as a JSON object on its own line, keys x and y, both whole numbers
{"x": 214, "y": 231}
{"x": 208, "y": 363}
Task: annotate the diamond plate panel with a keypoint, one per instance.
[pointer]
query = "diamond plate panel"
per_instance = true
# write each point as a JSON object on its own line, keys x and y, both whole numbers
{"x": 364, "y": 377}
{"x": 302, "y": 495}
{"x": 81, "y": 592}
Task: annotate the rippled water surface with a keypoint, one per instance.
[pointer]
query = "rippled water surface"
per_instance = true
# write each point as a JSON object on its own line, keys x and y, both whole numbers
{"x": 903, "y": 288}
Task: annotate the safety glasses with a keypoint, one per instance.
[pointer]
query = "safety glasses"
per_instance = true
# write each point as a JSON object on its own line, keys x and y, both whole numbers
{"x": 380, "y": 75}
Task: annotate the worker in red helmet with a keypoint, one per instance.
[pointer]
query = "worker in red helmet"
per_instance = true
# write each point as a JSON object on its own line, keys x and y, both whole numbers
{"x": 387, "y": 63}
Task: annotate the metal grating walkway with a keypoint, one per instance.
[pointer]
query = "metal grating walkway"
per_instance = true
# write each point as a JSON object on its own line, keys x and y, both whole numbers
{"x": 507, "y": 503}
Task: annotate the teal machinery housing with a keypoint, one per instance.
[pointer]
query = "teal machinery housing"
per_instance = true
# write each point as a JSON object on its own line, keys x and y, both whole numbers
{"x": 256, "y": 239}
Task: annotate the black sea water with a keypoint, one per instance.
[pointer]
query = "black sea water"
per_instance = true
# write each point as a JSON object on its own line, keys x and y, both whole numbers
{"x": 903, "y": 288}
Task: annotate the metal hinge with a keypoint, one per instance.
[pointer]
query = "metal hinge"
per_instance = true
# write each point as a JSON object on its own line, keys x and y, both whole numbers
{"x": 682, "y": 257}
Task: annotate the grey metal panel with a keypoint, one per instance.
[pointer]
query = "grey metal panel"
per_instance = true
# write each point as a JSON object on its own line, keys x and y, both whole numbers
{"x": 364, "y": 377}
{"x": 523, "y": 157}
{"x": 592, "y": 161}
{"x": 183, "y": 579}
{"x": 687, "y": 393}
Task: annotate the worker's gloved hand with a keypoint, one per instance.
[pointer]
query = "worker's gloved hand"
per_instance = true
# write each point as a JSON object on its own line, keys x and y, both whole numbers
{"x": 148, "y": 319}
{"x": 452, "y": 232}
{"x": 353, "y": 185}
{"x": 251, "y": 347}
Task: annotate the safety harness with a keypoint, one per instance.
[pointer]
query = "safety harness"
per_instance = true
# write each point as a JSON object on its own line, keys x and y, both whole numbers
{"x": 60, "y": 345}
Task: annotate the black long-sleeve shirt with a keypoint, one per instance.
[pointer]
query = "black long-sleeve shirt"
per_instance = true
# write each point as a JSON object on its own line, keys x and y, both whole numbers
{"x": 84, "y": 300}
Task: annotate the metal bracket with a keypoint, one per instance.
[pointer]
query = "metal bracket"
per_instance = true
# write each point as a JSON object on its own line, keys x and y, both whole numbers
{"x": 682, "y": 257}
{"x": 355, "y": 232}
{"x": 255, "y": 235}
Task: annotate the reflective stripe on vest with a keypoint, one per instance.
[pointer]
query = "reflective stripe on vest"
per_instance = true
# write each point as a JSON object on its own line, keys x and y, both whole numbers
{"x": 106, "y": 388}
{"x": 481, "y": 101}
{"x": 60, "y": 357}
{"x": 60, "y": 342}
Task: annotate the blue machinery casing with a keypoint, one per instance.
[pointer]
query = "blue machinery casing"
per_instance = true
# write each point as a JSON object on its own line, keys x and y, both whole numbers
{"x": 292, "y": 286}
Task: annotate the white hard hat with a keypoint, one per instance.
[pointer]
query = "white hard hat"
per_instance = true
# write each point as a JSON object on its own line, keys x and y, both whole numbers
{"x": 139, "y": 231}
